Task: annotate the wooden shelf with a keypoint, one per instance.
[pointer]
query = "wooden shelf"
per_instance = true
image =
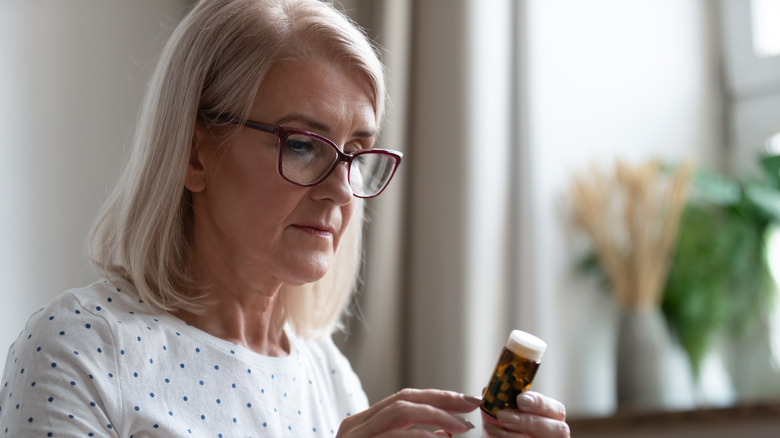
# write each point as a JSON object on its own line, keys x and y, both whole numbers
{"x": 755, "y": 420}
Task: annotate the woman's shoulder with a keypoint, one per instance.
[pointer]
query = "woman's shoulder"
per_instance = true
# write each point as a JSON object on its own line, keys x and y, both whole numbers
{"x": 79, "y": 315}
{"x": 60, "y": 316}
{"x": 104, "y": 295}
{"x": 96, "y": 297}
{"x": 65, "y": 361}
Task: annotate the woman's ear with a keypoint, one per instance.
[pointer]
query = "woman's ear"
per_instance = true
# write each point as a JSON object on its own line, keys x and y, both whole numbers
{"x": 195, "y": 180}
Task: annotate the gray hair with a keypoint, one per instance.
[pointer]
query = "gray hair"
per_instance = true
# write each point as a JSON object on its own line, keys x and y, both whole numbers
{"x": 222, "y": 49}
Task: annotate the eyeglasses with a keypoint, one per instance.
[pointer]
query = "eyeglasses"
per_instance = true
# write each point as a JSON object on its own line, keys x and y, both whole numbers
{"x": 307, "y": 159}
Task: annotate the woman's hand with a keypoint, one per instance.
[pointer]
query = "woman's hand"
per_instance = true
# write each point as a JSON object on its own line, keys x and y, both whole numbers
{"x": 536, "y": 416}
{"x": 397, "y": 415}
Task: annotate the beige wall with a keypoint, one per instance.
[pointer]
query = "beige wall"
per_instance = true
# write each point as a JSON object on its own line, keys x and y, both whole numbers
{"x": 72, "y": 79}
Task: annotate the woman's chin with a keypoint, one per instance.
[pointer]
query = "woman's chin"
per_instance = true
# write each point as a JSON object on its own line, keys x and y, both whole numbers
{"x": 313, "y": 272}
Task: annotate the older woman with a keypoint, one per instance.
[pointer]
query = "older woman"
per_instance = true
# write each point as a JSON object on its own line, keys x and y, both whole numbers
{"x": 230, "y": 247}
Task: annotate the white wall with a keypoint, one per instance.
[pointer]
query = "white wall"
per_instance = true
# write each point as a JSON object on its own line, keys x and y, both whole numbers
{"x": 604, "y": 79}
{"x": 72, "y": 79}
{"x": 754, "y": 87}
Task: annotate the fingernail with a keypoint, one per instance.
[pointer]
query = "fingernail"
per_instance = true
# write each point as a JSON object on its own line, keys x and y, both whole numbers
{"x": 525, "y": 400}
{"x": 507, "y": 416}
{"x": 464, "y": 421}
{"x": 473, "y": 400}
{"x": 494, "y": 430}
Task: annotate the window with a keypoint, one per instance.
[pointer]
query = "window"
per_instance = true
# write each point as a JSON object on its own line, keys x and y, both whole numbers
{"x": 765, "y": 24}
{"x": 751, "y": 43}
{"x": 773, "y": 143}
{"x": 751, "y": 62}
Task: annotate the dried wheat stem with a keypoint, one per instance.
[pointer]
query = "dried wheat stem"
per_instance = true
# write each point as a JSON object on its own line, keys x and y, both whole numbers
{"x": 632, "y": 219}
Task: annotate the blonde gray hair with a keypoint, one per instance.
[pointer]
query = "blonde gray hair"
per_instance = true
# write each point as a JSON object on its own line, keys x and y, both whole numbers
{"x": 214, "y": 63}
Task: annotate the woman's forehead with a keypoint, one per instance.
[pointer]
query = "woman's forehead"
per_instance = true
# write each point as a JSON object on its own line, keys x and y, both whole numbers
{"x": 316, "y": 93}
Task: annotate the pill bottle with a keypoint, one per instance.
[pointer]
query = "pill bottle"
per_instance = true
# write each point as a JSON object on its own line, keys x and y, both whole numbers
{"x": 514, "y": 372}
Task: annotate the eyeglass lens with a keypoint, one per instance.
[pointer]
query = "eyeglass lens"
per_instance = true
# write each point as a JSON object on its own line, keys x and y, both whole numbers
{"x": 305, "y": 160}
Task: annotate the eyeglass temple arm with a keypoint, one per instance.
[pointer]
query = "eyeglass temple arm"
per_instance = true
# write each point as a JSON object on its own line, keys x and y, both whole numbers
{"x": 264, "y": 127}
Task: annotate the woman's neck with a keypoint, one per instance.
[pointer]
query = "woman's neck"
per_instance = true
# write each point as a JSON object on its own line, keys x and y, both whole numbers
{"x": 240, "y": 314}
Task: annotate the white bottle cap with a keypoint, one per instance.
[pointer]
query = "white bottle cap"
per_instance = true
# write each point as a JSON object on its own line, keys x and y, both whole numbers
{"x": 526, "y": 345}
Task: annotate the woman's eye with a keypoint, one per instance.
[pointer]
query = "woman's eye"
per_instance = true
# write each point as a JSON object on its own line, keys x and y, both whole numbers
{"x": 299, "y": 146}
{"x": 356, "y": 146}
{"x": 361, "y": 159}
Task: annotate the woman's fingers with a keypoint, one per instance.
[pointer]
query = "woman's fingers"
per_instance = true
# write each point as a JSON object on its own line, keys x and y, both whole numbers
{"x": 535, "y": 403}
{"x": 496, "y": 431}
{"x": 537, "y": 416}
{"x": 402, "y": 414}
{"x": 413, "y": 433}
{"x": 532, "y": 425}
{"x": 399, "y": 413}
{"x": 449, "y": 401}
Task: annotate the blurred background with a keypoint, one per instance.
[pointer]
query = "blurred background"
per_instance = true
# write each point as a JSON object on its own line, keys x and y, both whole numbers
{"x": 498, "y": 105}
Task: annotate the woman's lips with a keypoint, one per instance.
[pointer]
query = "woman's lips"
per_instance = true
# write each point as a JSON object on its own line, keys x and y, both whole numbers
{"x": 316, "y": 229}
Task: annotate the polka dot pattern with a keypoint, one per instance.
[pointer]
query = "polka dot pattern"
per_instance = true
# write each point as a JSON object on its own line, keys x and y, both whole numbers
{"x": 98, "y": 362}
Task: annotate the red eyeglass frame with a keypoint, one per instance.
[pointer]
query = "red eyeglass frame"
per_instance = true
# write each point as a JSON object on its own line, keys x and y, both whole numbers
{"x": 282, "y": 132}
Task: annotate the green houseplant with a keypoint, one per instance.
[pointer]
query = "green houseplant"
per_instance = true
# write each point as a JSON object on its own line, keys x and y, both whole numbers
{"x": 719, "y": 280}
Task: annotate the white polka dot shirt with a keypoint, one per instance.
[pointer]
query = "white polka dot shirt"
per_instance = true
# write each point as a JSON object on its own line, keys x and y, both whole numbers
{"x": 99, "y": 362}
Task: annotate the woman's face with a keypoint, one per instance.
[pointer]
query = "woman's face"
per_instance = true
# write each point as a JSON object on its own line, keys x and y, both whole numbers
{"x": 251, "y": 225}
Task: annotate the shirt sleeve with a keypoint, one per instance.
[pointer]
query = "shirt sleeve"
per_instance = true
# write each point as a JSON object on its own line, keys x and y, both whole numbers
{"x": 59, "y": 379}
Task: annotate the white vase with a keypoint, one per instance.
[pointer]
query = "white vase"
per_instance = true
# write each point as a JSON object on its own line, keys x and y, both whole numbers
{"x": 652, "y": 373}
{"x": 714, "y": 389}
{"x": 753, "y": 368}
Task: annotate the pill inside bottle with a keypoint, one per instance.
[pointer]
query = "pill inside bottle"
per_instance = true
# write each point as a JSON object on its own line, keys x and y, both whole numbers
{"x": 514, "y": 372}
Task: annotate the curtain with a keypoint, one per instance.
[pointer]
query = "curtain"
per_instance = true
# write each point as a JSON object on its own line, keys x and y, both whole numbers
{"x": 496, "y": 103}
{"x": 441, "y": 250}
{"x": 375, "y": 341}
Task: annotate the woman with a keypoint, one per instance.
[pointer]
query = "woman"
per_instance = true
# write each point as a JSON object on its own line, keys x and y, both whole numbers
{"x": 230, "y": 246}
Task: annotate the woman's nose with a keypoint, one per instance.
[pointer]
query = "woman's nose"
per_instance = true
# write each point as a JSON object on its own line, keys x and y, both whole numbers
{"x": 336, "y": 186}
